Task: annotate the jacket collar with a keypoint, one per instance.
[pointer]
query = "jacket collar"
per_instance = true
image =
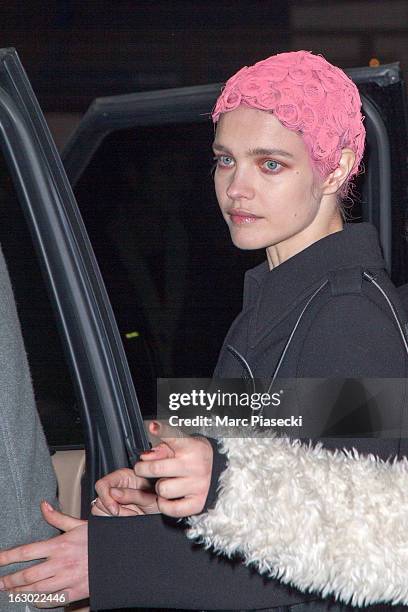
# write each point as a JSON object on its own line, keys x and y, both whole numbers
{"x": 274, "y": 293}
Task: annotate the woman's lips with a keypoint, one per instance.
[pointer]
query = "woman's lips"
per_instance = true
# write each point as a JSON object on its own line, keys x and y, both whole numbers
{"x": 241, "y": 217}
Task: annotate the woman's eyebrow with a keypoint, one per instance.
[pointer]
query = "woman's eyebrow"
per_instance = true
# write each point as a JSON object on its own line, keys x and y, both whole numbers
{"x": 261, "y": 151}
{"x": 255, "y": 152}
{"x": 219, "y": 147}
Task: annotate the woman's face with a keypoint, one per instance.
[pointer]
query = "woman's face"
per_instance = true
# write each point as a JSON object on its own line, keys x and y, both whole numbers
{"x": 264, "y": 181}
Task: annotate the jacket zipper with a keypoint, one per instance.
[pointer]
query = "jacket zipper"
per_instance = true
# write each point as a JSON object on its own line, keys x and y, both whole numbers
{"x": 245, "y": 365}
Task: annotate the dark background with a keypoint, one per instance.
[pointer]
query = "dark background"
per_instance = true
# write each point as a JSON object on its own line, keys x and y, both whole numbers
{"x": 74, "y": 51}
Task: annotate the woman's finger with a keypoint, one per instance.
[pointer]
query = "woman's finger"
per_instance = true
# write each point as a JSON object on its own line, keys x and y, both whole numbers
{"x": 173, "y": 488}
{"x": 60, "y": 520}
{"x": 161, "y": 468}
{"x": 127, "y": 510}
{"x": 180, "y": 507}
{"x": 161, "y": 451}
{"x": 49, "y": 585}
{"x": 143, "y": 499}
{"x": 29, "y": 552}
{"x": 29, "y": 575}
{"x": 132, "y": 510}
{"x": 99, "y": 504}
{"x": 98, "y": 509}
{"x": 105, "y": 501}
{"x": 120, "y": 478}
{"x": 161, "y": 429}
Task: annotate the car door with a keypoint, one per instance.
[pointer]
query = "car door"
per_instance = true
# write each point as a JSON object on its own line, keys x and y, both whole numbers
{"x": 46, "y": 245}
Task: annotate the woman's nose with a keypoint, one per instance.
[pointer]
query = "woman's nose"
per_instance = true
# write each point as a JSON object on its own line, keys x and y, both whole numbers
{"x": 240, "y": 187}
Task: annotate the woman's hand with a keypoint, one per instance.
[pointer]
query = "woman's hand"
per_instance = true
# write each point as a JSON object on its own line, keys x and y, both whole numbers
{"x": 122, "y": 493}
{"x": 64, "y": 569}
{"x": 183, "y": 467}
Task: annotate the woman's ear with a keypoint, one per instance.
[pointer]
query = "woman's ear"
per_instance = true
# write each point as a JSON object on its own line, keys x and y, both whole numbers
{"x": 336, "y": 179}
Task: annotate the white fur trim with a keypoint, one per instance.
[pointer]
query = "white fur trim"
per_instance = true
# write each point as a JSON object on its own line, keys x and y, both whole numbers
{"x": 330, "y": 522}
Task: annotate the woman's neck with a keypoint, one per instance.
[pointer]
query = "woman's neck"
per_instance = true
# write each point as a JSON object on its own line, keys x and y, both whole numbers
{"x": 278, "y": 253}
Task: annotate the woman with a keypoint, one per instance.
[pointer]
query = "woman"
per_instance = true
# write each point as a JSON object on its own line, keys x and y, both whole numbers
{"x": 289, "y": 139}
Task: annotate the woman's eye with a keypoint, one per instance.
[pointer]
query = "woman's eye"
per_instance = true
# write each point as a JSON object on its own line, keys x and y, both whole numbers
{"x": 272, "y": 165}
{"x": 224, "y": 160}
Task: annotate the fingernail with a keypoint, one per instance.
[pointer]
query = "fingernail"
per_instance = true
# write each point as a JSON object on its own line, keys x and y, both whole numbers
{"x": 114, "y": 510}
{"x": 2, "y": 587}
{"x": 48, "y": 505}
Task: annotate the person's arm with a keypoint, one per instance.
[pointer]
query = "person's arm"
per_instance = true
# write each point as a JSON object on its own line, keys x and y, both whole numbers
{"x": 147, "y": 561}
{"x": 331, "y": 522}
{"x": 160, "y": 567}
{"x": 26, "y": 473}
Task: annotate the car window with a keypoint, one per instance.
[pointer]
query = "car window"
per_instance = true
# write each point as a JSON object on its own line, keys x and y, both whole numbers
{"x": 53, "y": 388}
{"x": 173, "y": 277}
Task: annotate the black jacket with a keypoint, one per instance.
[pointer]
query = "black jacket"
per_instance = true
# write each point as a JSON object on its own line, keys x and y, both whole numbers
{"x": 345, "y": 334}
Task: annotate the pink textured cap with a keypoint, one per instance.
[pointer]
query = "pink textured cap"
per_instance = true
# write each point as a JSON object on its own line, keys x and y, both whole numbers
{"x": 308, "y": 95}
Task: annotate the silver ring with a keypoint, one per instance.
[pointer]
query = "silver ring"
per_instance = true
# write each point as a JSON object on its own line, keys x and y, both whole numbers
{"x": 93, "y": 502}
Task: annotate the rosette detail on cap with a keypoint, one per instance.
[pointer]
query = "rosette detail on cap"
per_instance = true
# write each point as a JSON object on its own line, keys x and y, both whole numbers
{"x": 308, "y": 95}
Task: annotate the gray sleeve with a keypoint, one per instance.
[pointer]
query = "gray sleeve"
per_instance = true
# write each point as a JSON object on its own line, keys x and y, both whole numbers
{"x": 26, "y": 474}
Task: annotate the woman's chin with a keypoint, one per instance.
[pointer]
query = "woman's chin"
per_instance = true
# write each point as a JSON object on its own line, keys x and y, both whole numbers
{"x": 247, "y": 243}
